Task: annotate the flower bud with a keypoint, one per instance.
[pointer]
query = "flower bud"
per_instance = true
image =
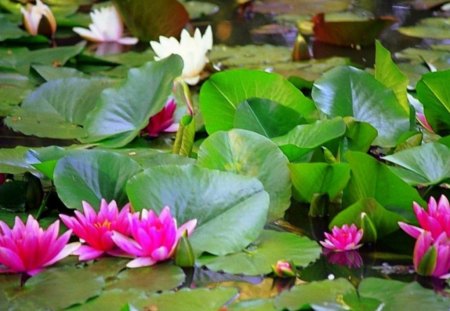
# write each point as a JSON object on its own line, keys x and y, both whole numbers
{"x": 184, "y": 255}
{"x": 370, "y": 231}
{"x": 38, "y": 19}
{"x": 284, "y": 269}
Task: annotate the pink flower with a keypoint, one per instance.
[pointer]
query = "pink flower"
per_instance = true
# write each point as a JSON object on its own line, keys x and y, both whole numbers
{"x": 284, "y": 269}
{"x": 153, "y": 238}
{"x": 432, "y": 257}
{"x": 436, "y": 220}
{"x": 95, "y": 230}
{"x": 343, "y": 239}
{"x": 424, "y": 122}
{"x": 27, "y": 248}
{"x": 351, "y": 259}
{"x": 163, "y": 121}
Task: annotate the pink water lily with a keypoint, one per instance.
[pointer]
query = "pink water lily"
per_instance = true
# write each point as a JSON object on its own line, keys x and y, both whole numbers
{"x": 163, "y": 121}
{"x": 436, "y": 220}
{"x": 432, "y": 256}
{"x": 106, "y": 26}
{"x": 284, "y": 269}
{"x": 343, "y": 239}
{"x": 154, "y": 238}
{"x": 27, "y": 248}
{"x": 95, "y": 230}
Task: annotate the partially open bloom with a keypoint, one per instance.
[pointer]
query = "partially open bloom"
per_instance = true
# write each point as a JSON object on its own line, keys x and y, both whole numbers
{"x": 343, "y": 239}
{"x": 423, "y": 120}
{"x": 191, "y": 49}
{"x": 38, "y": 15}
{"x": 163, "y": 121}
{"x": 27, "y": 248}
{"x": 284, "y": 269}
{"x": 432, "y": 256}
{"x": 154, "y": 238}
{"x": 106, "y": 26}
{"x": 95, "y": 230}
{"x": 436, "y": 220}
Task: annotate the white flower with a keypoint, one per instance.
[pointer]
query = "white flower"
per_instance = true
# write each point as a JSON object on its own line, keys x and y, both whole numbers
{"x": 191, "y": 49}
{"x": 33, "y": 15}
{"x": 106, "y": 27}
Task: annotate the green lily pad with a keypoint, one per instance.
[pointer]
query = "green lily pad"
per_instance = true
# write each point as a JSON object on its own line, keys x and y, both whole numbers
{"x": 259, "y": 257}
{"x": 54, "y": 73}
{"x": 149, "y": 279}
{"x": 396, "y": 295}
{"x": 323, "y": 293}
{"x": 90, "y": 175}
{"x": 318, "y": 178}
{"x": 229, "y": 208}
{"x": 372, "y": 179}
{"x": 433, "y": 93}
{"x": 219, "y": 98}
{"x": 58, "y": 109}
{"x": 13, "y": 89}
{"x": 433, "y": 27}
{"x": 113, "y": 299}
{"x": 56, "y": 288}
{"x": 426, "y": 164}
{"x": 253, "y": 305}
{"x": 9, "y": 30}
{"x": 122, "y": 112}
{"x": 14, "y": 161}
{"x": 201, "y": 299}
{"x": 347, "y": 91}
{"x": 250, "y": 154}
{"x": 198, "y": 9}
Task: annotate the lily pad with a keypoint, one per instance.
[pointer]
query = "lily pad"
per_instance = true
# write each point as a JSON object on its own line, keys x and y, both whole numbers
{"x": 396, "y": 295}
{"x": 113, "y": 299}
{"x": 372, "y": 179}
{"x": 201, "y": 299}
{"x": 14, "y": 161}
{"x": 9, "y": 30}
{"x": 318, "y": 178}
{"x": 348, "y": 91}
{"x": 13, "y": 89}
{"x": 149, "y": 279}
{"x": 323, "y": 293}
{"x": 54, "y": 73}
{"x": 250, "y": 154}
{"x": 229, "y": 208}
{"x": 259, "y": 257}
{"x": 91, "y": 175}
{"x": 58, "y": 109}
{"x": 198, "y": 9}
{"x": 122, "y": 112}
{"x": 253, "y": 305}
{"x": 433, "y": 27}
{"x": 219, "y": 98}
{"x": 425, "y": 165}
{"x": 49, "y": 289}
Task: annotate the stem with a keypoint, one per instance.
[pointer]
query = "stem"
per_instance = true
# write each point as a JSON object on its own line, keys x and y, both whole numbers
{"x": 43, "y": 205}
{"x": 187, "y": 95}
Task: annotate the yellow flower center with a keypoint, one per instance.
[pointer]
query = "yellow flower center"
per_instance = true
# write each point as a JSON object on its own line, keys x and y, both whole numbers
{"x": 105, "y": 224}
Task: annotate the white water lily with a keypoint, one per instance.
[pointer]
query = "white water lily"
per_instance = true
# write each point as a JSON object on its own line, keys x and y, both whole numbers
{"x": 191, "y": 49}
{"x": 33, "y": 15}
{"x": 106, "y": 26}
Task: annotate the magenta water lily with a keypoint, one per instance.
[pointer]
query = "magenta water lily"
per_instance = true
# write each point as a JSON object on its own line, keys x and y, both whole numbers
{"x": 95, "y": 229}
{"x": 153, "y": 238}
{"x": 343, "y": 239}
{"x": 28, "y": 248}
{"x": 163, "y": 121}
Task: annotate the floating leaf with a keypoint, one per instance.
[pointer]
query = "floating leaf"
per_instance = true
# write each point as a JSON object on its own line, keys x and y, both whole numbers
{"x": 58, "y": 109}
{"x": 426, "y": 164}
{"x": 149, "y": 20}
{"x": 124, "y": 111}
{"x": 49, "y": 290}
{"x": 229, "y": 208}
{"x": 10, "y": 30}
{"x": 54, "y": 73}
{"x": 201, "y": 299}
{"x": 253, "y": 305}
{"x": 433, "y": 93}
{"x": 387, "y": 72}
{"x": 14, "y": 161}
{"x": 149, "y": 279}
{"x": 113, "y": 299}
{"x": 13, "y": 89}
{"x": 259, "y": 257}
{"x": 372, "y": 179}
{"x": 91, "y": 175}
{"x": 433, "y": 27}
{"x": 198, "y": 9}
{"x": 348, "y": 91}
{"x": 219, "y": 98}
{"x": 250, "y": 154}
{"x": 266, "y": 117}
{"x": 396, "y": 295}
{"x": 309, "y": 179}
{"x": 323, "y": 293}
